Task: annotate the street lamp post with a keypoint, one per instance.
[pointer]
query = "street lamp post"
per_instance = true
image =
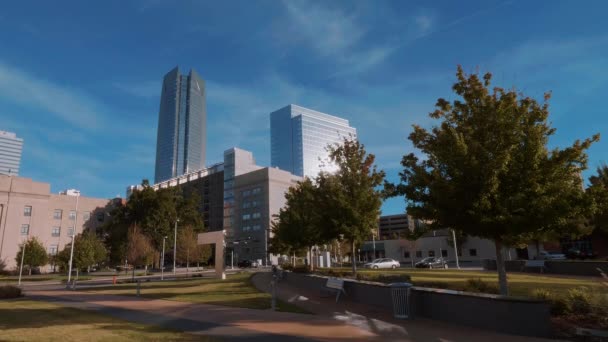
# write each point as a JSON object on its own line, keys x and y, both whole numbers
{"x": 73, "y": 235}
{"x": 374, "y": 242}
{"x": 455, "y": 248}
{"x": 21, "y": 267}
{"x": 175, "y": 245}
{"x": 162, "y": 266}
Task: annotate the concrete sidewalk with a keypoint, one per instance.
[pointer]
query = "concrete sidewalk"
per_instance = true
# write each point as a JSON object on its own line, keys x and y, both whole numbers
{"x": 378, "y": 321}
{"x": 226, "y": 323}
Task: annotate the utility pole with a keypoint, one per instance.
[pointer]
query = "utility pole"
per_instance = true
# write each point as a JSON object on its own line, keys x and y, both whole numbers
{"x": 22, "y": 257}
{"x": 162, "y": 266}
{"x": 455, "y": 248}
{"x": 175, "y": 245}
{"x": 73, "y": 238}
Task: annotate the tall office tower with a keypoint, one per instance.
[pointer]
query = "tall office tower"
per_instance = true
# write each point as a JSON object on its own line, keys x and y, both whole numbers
{"x": 182, "y": 126}
{"x": 10, "y": 153}
{"x": 299, "y": 137}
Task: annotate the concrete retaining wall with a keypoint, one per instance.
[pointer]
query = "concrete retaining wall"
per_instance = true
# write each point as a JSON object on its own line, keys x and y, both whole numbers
{"x": 496, "y": 313}
{"x": 566, "y": 267}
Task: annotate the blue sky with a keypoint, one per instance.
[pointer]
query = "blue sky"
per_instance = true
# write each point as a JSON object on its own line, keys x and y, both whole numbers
{"x": 80, "y": 81}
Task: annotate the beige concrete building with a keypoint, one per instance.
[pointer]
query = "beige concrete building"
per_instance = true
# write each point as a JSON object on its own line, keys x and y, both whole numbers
{"x": 258, "y": 195}
{"x": 28, "y": 209}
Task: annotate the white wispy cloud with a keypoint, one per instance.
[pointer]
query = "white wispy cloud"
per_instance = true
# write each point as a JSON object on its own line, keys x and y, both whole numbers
{"x": 66, "y": 103}
{"x": 424, "y": 22}
{"x": 141, "y": 89}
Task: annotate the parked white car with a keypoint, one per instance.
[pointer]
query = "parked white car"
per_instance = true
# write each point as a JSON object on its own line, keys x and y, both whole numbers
{"x": 544, "y": 255}
{"x": 383, "y": 263}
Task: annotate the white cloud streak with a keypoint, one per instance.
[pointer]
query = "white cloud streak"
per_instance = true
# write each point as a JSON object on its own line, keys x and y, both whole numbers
{"x": 65, "y": 103}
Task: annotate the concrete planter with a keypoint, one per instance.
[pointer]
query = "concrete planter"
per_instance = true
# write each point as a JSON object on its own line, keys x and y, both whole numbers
{"x": 509, "y": 315}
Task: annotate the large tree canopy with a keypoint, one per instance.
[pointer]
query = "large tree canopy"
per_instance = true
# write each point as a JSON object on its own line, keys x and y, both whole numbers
{"x": 487, "y": 170}
{"x": 598, "y": 190}
{"x": 35, "y": 254}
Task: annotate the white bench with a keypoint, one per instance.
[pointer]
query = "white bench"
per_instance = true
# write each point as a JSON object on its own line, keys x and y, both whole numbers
{"x": 535, "y": 264}
{"x": 337, "y": 285}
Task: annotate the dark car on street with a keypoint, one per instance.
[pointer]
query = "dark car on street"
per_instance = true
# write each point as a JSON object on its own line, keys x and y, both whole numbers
{"x": 247, "y": 264}
{"x": 575, "y": 253}
{"x": 432, "y": 262}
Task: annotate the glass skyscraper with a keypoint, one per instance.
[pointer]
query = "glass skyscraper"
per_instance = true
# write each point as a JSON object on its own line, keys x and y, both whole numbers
{"x": 299, "y": 137}
{"x": 182, "y": 126}
{"x": 10, "y": 153}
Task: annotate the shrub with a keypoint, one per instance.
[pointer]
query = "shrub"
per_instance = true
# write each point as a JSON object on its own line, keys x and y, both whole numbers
{"x": 557, "y": 304}
{"x": 9, "y": 291}
{"x": 3, "y": 270}
{"x": 384, "y": 278}
{"x": 478, "y": 285}
{"x": 578, "y": 301}
{"x": 432, "y": 284}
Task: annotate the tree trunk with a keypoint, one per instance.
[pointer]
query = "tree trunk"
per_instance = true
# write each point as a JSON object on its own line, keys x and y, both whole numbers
{"x": 30, "y": 270}
{"x": 500, "y": 268}
{"x": 353, "y": 262}
{"x": 187, "y": 261}
{"x": 412, "y": 256}
{"x": 311, "y": 259}
{"x": 133, "y": 277}
{"x": 77, "y": 273}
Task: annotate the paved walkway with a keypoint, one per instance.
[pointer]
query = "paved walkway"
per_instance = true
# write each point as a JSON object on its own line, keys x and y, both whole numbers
{"x": 379, "y": 321}
{"x": 226, "y": 323}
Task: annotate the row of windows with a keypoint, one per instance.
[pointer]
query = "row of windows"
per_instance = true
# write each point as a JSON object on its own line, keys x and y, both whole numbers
{"x": 444, "y": 253}
{"x": 255, "y": 227}
{"x": 55, "y": 231}
{"x": 251, "y": 216}
{"x": 251, "y": 192}
{"x": 58, "y": 214}
{"x": 252, "y": 204}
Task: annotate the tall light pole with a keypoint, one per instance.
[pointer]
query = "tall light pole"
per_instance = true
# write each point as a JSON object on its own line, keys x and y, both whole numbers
{"x": 175, "y": 245}
{"x": 4, "y": 216}
{"x": 374, "y": 243}
{"x": 22, "y": 257}
{"x": 73, "y": 238}
{"x": 455, "y": 248}
{"x": 162, "y": 266}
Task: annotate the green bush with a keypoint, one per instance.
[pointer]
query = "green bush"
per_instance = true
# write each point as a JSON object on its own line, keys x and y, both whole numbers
{"x": 478, "y": 285}
{"x": 578, "y": 301}
{"x": 558, "y": 305}
{"x": 9, "y": 291}
{"x": 384, "y": 278}
{"x": 432, "y": 284}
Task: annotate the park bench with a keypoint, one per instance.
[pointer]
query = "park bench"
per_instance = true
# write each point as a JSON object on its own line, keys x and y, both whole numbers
{"x": 540, "y": 264}
{"x": 337, "y": 285}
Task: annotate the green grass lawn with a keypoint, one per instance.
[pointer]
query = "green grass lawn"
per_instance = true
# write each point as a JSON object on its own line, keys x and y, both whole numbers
{"x": 237, "y": 291}
{"x": 25, "y": 320}
{"x": 520, "y": 284}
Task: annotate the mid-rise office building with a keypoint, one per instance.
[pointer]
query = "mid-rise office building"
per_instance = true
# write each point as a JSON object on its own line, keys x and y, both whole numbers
{"x": 28, "y": 209}
{"x": 299, "y": 138}
{"x": 182, "y": 126}
{"x": 240, "y": 198}
{"x": 10, "y": 153}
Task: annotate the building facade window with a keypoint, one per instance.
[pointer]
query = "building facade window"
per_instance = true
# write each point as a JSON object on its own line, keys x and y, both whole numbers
{"x": 246, "y": 205}
{"x": 56, "y": 231}
{"x": 72, "y": 215}
{"x": 444, "y": 253}
{"x": 25, "y": 229}
{"x": 256, "y": 215}
{"x": 100, "y": 217}
{"x": 406, "y": 254}
{"x": 246, "y": 217}
{"x": 473, "y": 252}
{"x": 57, "y": 214}
{"x": 246, "y": 193}
{"x": 254, "y": 204}
{"x": 86, "y": 216}
{"x": 431, "y": 253}
{"x": 27, "y": 210}
{"x": 53, "y": 249}
{"x": 256, "y": 227}
{"x": 418, "y": 254}
{"x": 71, "y": 231}
{"x": 256, "y": 191}
{"x": 246, "y": 228}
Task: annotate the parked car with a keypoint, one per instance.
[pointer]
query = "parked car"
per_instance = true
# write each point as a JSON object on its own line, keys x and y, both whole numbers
{"x": 383, "y": 263}
{"x": 247, "y": 264}
{"x": 575, "y": 253}
{"x": 432, "y": 262}
{"x": 544, "y": 255}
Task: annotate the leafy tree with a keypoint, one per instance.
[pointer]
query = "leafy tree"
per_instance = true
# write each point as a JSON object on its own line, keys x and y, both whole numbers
{"x": 296, "y": 226}
{"x": 186, "y": 246}
{"x": 349, "y": 201}
{"x": 598, "y": 190}
{"x": 35, "y": 254}
{"x": 487, "y": 171}
{"x": 155, "y": 213}
{"x": 140, "y": 250}
{"x": 89, "y": 250}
